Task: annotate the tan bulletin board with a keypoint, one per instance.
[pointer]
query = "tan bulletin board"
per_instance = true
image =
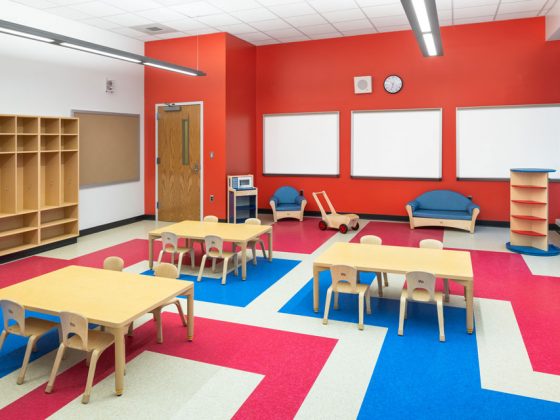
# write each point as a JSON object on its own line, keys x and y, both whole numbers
{"x": 109, "y": 148}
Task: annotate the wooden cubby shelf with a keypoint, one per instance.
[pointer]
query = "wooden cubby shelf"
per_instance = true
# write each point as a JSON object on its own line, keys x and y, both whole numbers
{"x": 38, "y": 181}
{"x": 529, "y": 212}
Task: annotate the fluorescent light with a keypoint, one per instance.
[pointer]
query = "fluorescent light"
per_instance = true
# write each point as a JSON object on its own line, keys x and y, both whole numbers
{"x": 159, "y": 66}
{"x": 26, "y": 35}
{"x": 422, "y": 15}
{"x": 430, "y": 44}
{"x": 101, "y": 52}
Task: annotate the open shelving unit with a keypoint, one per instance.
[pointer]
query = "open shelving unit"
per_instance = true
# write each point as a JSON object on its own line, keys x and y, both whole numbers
{"x": 38, "y": 181}
{"x": 529, "y": 212}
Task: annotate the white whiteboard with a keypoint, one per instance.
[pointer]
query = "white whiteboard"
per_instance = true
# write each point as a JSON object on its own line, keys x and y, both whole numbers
{"x": 397, "y": 144}
{"x": 491, "y": 141}
{"x": 301, "y": 144}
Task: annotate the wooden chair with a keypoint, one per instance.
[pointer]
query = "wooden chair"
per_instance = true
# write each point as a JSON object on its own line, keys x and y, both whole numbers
{"x": 93, "y": 342}
{"x": 113, "y": 264}
{"x": 253, "y": 244}
{"x": 421, "y": 287}
{"x": 208, "y": 219}
{"x": 215, "y": 249}
{"x": 375, "y": 240}
{"x": 211, "y": 219}
{"x": 345, "y": 280}
{"x": 33, "y": 328}
{"x": 435, "y": 244}
{"x": 170, "y": 244}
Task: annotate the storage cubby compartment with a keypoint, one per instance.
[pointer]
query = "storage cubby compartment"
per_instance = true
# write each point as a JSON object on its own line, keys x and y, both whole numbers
{"x": 69, "y": 174}
{"x": 27, "y": 182}
{"x": 50, "y": 143}
{"x": 59, "y": 232}
{"x": 19, "y": 224}
{"x": 27, "y": 143}
{"x": 50, "y": 126}
{"x": 27, "y": 125}
{"x": 69, "y": 142}
{"x": 50, "y": 180}
{"x": 7, "y": 143}
{"x": 69, "y": 126}
{"x": 59, "y": 216}
{"x": 7, "y": 124}
{"x": 7, "y": 184}
{"x": 19, "y": 242}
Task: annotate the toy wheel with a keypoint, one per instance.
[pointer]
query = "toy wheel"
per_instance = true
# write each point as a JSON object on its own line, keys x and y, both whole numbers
{"x": 356, "y": 226}
{"x": 343, "y": 228}
{"x": 322, "y": 225}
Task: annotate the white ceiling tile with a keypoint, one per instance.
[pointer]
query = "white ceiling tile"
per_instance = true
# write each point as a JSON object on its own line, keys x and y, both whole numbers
{"x": 161, "y": 14}
{"x": 234, "y": 5}
{"x": 270, "y": 25}
{"x": 37, "y": 4}
{"x": 395, "y": 28}
{"x": 317, "y": 29}
{"x": 446, "y": 22}
{"x": 459, "y": 4}
{"x": 476, "y": 19}
{"x": 69, "y": 13}
{"x": 295, "y": 39}
{"x": 520, "y": 15}
{"x": 344, "y": 15}
{"x": 292, "y": 9}
{"x": 267, "y": 3}
{"x": 521, "y": 6}
{"x": 306, "y": 20}
{"x": 352, "y": 25}
{"x": 265, "y": 42}
{"x": 384, "y": 10}
{"x": 136, "y": 5}
{"x": 326, "y": 36}
{"x": 390, "y": 21}
{"x": 64, "y": 2}
{"x": 197, "y": 8}
{"x": 444, "y": 4}
{"x": 355, "y": 32}
{"x": 330, "y": 5}
{"x": 254, "y": 36}
{"x": 284, "y": 33}
{"x": 97, "y": 9}
{"x": 185, "y": 24}
{"x": 131, "y": 33}
{"x": 100, "y": 23}
{"x": 366, "y": 3}
{"x": 254, "y": 15}
{"x": 202, "y": 31}
{"x": 171, "y": 35}
{"x": 445, "y": 14}
{"x": 218, "y": 20}
{"x": 240, "y": 28}
{"x": 128, "y": 19}
{"x": 471, "y": 12}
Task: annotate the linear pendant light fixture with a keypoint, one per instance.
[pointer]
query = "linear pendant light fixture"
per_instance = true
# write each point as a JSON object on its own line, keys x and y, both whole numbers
{"x": 423, "y": 18}
{"x": 28, "y": 32}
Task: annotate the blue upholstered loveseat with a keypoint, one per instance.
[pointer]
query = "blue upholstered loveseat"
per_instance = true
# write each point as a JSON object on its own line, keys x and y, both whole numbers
{"x": 287, "y": 203}
{"x": 443, "y": 208}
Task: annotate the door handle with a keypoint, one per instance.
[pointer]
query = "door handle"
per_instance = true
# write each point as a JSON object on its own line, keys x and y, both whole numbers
{"x": 196, "y": 168}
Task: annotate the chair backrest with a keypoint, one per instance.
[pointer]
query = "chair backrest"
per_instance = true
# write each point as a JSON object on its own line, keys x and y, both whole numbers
{"x": 13, "y": 311}
{"x": 286, "y": 194}
{"x": 253, "y": 221}
{"x": 214, "y": 243}
{"x": 344, "y": 274}
{"x": 211, "y": 219}
{"x": 77, "y": 324}
{"x": 431, "y": 243}
{"x": 113, "y": 264}
{"x": 166, "y": 270}
{"x": 443, "y": 200}
{"x": 420, "y": 286}
{"x": 371, "y": 240}
{"x": 169, "y": 241}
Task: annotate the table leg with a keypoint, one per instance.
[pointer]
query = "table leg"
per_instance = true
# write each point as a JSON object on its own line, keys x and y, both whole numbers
{"x": 270, "y": 245}
{"x": 243, "y": 260}
{"x": 151, "y": 251}
{"x": 190, "y": 315}
{"x": 120, "y": 359}
{"x": 316, "y": 271}
{"x": 470, "y": 299}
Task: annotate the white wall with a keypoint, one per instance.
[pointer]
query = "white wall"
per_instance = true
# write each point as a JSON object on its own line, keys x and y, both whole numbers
{"x": 42, "y": 79}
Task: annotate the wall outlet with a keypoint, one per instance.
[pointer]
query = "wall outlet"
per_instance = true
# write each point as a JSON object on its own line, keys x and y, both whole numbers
{"x": 211, "y": 197}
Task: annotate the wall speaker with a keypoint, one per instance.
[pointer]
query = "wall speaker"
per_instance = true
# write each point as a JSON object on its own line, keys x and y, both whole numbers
{"x": 362, "y": 84}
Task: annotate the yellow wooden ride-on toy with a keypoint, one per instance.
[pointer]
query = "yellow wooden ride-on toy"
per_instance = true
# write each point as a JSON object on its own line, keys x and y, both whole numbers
{"x": 333, "y": 220}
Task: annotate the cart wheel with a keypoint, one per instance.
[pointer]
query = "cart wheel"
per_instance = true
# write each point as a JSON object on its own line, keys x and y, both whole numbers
{"x": 356, "y": 226}
{"x": 343, "y": 228}
{"x": 322, "y": 225}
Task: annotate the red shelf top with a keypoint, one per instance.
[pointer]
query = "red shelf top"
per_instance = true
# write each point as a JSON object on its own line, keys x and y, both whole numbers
{"x": 529, "y": 186}
{"x": 523, "y": 217}
{"x": 527, "y": 232}
{"x": 527, "y": 202}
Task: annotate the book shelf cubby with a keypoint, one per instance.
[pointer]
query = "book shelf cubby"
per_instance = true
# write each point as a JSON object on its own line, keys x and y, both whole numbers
{"x": 38, "y": 181}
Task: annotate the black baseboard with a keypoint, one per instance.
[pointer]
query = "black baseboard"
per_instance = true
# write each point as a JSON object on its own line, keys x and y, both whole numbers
{"x": 36, "y": 250}
{"x": 118, "y": 223}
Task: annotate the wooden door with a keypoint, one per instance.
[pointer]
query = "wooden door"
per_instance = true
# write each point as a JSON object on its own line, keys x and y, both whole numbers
{"x": 179, "y": 163}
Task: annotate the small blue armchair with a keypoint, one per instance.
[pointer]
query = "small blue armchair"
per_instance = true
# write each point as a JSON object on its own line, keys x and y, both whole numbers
{"x": 443, "y": 208}
{"x": 287, "y": 203}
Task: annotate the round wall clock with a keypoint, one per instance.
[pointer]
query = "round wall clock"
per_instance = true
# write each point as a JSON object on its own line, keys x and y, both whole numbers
{"x": 393, "y": 84}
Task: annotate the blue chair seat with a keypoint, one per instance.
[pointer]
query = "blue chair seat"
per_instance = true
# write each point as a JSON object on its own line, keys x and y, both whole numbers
{"x": 442, "y": 214}
{"x": 288, "y": 207}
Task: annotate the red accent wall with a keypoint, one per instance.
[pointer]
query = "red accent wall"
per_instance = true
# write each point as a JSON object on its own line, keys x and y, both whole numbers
{"x": 501, "y": 63}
